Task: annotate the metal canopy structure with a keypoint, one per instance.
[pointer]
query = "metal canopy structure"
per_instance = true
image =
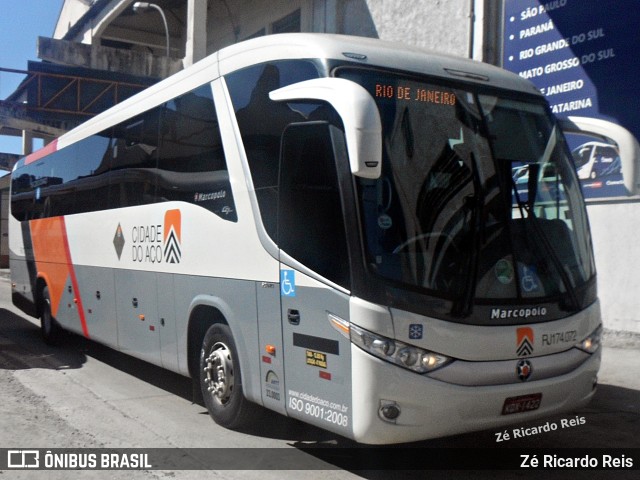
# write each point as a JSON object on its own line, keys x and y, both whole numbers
{"x": 52, "y": 99}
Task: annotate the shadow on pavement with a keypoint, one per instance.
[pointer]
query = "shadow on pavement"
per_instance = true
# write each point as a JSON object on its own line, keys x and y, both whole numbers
{"x": 22, "y": 347}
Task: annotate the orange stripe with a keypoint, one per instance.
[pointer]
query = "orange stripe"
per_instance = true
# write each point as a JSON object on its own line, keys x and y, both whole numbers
{"x": 74, "y": 281}
{"x": 53, "y": 262}
{"x": 49, "y": 253}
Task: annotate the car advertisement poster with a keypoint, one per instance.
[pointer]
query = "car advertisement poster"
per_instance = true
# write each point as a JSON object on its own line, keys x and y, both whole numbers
{"x": 583, "y": 56}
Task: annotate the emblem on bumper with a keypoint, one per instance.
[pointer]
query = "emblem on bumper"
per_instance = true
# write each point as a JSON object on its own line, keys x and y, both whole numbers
{"x": 524, "y": 369}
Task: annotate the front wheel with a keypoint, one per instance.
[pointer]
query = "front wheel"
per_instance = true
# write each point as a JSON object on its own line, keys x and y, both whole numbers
{"x": 49, "y": 328}
{"x": 221, "y": 381}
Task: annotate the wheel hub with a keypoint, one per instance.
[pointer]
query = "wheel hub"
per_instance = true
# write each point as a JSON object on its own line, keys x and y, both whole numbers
{"x": 219, "y": 372}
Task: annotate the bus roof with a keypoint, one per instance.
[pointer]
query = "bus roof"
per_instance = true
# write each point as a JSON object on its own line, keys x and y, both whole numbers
{"x": 368, "y": 51}
{"x": 365, "y": 51}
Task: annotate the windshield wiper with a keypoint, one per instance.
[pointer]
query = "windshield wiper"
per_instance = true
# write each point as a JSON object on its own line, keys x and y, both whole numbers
{"x": 534, "y": 170}
{"x": 463, "y": 306}
{"x": 550, "y": 250}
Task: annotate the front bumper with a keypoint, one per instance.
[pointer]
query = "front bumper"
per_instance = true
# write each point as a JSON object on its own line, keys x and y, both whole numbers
{"x": 431, "y": 408}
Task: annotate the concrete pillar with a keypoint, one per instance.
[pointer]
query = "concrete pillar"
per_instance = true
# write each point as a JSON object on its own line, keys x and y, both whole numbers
{"x": 325, "y": 16}
{"x": 27, "y": 143}
{"x": 196, "y": 45}
{"x": 476, "y": 36}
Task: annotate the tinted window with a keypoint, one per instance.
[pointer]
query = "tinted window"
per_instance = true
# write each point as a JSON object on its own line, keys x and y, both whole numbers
{"x": 169, "y": 153}
{"x": 40, "y": 191}
{"x": 310, "y": 217}
{"x": 71, "y": 180}
{"x": 92, "y": 183}
{"x": 262, "y": 121}
{"x": 60, "y": 193}
{"x": 191, "y": 163}
{"x": 134, "y": 161}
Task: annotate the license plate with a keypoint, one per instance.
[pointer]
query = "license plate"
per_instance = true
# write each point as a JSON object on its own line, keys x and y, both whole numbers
{"x": 523, "y": 403}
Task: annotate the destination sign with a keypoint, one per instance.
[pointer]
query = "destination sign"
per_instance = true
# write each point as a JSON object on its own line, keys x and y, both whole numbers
{"x": 414, "y": 93}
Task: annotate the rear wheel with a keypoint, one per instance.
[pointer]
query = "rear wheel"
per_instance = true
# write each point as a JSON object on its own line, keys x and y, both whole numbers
{"x": 221, "y": 380}
{"x": 49, "y": 328}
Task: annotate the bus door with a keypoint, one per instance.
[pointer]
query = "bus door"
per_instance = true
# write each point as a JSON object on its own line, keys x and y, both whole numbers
{"x": 314, "y": 274}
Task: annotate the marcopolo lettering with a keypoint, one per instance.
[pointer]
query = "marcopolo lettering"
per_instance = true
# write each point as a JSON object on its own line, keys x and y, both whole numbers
{"x": 501, "y": 313}
{"x": 204, "y": 197}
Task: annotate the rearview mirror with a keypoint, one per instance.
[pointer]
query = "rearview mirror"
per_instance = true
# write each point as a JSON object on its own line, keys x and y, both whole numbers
{"x": 359, "y": 114}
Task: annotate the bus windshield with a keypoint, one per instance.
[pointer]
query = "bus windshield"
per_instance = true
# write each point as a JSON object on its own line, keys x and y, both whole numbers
{"x": 478, "y": 201}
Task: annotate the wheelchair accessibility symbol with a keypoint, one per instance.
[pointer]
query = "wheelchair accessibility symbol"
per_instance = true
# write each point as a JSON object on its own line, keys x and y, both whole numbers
{"x": 529, "y": 279}
{"x": 287, "y": 283}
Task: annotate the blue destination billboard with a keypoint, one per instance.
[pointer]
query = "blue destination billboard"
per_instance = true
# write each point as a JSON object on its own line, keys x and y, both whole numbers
{"x": 584, "y": 56}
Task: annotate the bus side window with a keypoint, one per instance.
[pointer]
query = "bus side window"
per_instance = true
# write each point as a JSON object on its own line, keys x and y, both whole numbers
{"x": 192, "y": 166}
{"x": 262, "y": 121}
{"x": 92, "y": 178}
{"x": 72, "y": 180}
{"x": 310, "y": 218}
{"x": 134, "y": 161}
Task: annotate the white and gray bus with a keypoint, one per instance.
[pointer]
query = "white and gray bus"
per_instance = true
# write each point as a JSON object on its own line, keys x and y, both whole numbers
{"x": 327, "y": 227}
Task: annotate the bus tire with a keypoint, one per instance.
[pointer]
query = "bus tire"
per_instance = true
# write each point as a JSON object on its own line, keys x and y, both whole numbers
{"x": 50, "y": 329}
{"x": 221, "y": 380}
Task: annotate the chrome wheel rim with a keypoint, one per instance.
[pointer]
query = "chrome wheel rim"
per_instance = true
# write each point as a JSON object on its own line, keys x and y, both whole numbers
{"x": 219, "y": 373}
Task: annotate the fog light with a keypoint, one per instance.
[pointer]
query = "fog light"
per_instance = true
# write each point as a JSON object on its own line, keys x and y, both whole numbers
{"x": 389, "y": 411}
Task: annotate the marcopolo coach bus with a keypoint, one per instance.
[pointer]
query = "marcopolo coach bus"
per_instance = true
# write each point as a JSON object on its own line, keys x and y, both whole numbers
{"x": 327, "y": 227}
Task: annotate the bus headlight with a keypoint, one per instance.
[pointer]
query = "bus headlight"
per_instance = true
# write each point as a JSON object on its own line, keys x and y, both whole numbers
{"x": 407, "y": 356}
{"x": 592, "y": 342}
